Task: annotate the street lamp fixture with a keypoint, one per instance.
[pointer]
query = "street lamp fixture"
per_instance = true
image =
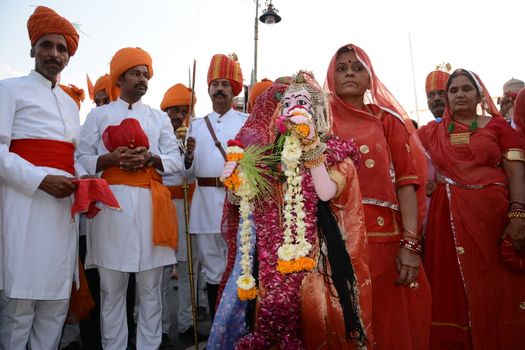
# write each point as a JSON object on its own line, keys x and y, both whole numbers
{"x": 269, "y": 16}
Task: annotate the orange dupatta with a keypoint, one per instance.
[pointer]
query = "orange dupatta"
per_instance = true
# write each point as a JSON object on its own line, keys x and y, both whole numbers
{"x": 165, "y": 232}
{"x": 380, "y": 96}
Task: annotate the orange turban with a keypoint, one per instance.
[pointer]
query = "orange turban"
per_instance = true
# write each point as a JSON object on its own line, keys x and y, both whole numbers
{"x": 46, "y": 21}
{"x": 223, "y": 67}
{"x": 256, "y": 90}
{"x": 436, "y": 80}
{"x": 127, "y": 58}
{"x": 74, "y": 92}
{"x": 177, "y": 95}
{"x": 103, "y": 84}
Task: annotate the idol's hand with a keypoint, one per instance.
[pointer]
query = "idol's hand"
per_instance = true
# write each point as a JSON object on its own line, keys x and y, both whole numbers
{"x": 304, "y": 127}
{"x": 229, "y": 167}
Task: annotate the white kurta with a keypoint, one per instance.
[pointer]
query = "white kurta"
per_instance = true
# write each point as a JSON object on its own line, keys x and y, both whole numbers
{"x": 38, "y": 239}
{"x": 122, "y": 240}
{"x": 206, "y": 207}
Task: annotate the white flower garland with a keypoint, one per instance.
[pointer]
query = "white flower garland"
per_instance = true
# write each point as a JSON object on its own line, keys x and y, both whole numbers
{"x": 293, "y": 212}
{"x": 246, "y": 281}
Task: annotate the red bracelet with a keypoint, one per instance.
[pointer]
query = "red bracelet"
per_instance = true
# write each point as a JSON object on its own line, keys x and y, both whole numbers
{"x": 411, "y": 245}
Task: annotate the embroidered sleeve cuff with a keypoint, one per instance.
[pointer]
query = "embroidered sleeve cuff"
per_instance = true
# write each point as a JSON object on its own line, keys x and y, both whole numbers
{"x": 407, "y": 180}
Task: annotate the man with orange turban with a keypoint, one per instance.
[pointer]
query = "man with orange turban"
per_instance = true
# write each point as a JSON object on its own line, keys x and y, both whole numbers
{"x": 256, "y": 90}
{"x": 176, "y": 103}
{"x": 211, "y": 134}
{"x": 39, "y": 131}
{"x": 129, "y": 143}
{"x": 435, "y": 85}
{"x": 103, "y": 92}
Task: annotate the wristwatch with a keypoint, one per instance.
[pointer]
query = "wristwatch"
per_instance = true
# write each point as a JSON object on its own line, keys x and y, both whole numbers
{"x": 151, "y": 159}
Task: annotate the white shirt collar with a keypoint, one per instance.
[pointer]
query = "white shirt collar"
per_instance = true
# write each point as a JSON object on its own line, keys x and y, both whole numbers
{"x": 41, "y": 79}
{"x": 126, "y": 105}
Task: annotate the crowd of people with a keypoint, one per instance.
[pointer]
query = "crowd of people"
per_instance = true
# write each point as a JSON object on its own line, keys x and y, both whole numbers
{"x": 321, "y": 219}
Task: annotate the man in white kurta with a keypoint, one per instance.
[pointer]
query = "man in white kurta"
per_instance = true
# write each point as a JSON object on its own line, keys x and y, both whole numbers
{"x": 122, "y": 242}
{"x": 176, "y": 103}
{"x": 39, "y": 130}
{"x": 224, "y": 82}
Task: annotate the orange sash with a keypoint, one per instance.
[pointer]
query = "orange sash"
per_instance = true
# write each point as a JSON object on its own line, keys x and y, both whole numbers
{"x": 48, "y": 153}
{"x": 177, "y": 192}
{"x": 165, "y": 231}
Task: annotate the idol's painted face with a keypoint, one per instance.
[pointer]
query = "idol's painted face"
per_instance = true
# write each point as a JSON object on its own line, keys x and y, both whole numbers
{"x": 297, "y": 99}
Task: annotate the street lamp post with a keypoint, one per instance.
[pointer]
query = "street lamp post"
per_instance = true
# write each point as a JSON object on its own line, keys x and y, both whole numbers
{"x": 270, "y": 16}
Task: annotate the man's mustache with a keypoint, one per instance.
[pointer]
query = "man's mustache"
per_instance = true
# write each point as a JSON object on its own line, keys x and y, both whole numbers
{"x": 438, "y": 104}
{"x": 52, "y": 61}
{"x": 219, "y": 93}
{"x": 142, "y": 85}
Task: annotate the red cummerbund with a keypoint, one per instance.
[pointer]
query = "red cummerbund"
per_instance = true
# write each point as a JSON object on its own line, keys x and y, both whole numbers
{"x": 48, "y": 153}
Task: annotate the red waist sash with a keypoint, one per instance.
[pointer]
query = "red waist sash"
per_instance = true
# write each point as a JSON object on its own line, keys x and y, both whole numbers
{"x": 48, "y": 153}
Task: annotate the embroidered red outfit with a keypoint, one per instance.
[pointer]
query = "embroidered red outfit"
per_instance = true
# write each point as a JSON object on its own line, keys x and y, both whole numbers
{"x": 477, "y": 302}
{"x": 400, "y": 315}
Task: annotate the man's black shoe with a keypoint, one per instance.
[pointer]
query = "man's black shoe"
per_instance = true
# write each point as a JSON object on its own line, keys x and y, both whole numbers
{"x": 166, "y": 343}
{"x": 188, "y": 334}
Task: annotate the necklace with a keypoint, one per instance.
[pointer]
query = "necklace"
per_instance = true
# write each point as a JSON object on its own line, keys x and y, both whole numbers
{"x": 461, "y": 138}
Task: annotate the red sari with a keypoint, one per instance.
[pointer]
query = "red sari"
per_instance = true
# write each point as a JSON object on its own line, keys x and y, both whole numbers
{"x": 400, "y": 314}
{"x": 478, "y": 303}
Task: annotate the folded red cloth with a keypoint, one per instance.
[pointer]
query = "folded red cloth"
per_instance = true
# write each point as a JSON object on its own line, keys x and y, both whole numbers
{"x": 512, "y": 257}
{"x": 88, "y": 193}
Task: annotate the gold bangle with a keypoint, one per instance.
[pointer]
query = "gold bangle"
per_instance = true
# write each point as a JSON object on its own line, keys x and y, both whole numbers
{"x": 514, "y": 214}
{"x": 339, "y": 179}
{"x": 314, "y": 163}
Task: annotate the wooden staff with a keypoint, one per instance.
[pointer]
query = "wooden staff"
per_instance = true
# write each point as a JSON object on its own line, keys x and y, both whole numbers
{"x": 185, "y": 188}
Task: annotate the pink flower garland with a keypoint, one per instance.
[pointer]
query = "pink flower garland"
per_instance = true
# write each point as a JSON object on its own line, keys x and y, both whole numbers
{"x": 278, "y": 319}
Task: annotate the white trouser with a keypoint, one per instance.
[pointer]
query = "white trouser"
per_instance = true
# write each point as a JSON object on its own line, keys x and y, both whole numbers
{"x": 113, "y": 323}
{"x": 166, "y": 312}
{"x": 36, "y": 324}
{"x": 213, "y": 254}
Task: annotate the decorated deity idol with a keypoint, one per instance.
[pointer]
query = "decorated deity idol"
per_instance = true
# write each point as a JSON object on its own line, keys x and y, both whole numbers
{"x": 294, "y": 212}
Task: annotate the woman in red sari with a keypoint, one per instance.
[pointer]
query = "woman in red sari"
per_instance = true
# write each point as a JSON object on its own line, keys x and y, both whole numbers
{"x": 478, "y": 303}
{"x": 365, "y": 111}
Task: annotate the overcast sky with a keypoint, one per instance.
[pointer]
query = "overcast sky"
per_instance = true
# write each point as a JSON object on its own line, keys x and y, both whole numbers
{"x": 483, "y": 36}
